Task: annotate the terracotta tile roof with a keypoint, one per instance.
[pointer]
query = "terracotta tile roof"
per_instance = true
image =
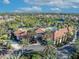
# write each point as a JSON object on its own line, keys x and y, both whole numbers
{"x": 40, "y": 30}
{"x": 62, "y": 32}
{"x": 20, "y": 32}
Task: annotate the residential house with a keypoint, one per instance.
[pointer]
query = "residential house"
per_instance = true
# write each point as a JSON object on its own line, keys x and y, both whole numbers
{"x": 21, "y": 33}
{"x": 58, "y": 36}
{"x": 1, "y": 17}
{"x": 40, "y": 30}
{"x": 45, "y": 33}
{"x": 40, "y": 34}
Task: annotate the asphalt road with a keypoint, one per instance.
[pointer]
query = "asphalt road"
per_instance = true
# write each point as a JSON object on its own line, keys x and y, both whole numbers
{"x": 35, "y": 47}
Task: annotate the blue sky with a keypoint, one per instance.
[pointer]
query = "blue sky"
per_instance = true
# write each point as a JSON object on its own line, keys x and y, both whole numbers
{"x": 64, "y": 6}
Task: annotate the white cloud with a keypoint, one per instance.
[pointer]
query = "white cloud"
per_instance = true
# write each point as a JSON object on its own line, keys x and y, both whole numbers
{"x": 56, "y": 3}
{"x": 17, "y": 11}
{"x": 29, "y": 9}
{"x": 56, "y": 10}
{"x": 6, "y": 1}
{"x": 74, "y": 6}
{"x": 73, "y": 1}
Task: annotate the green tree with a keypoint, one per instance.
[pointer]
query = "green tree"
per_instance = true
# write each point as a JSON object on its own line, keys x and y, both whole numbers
{"x": 49, "y": 52}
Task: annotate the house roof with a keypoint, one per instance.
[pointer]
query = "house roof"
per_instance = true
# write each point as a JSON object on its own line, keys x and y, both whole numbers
{"x": 1, "y": 17}
{"x": 20, "y": 32}
{"x": 40, "y": 30}
{"x": 62, "y": 32}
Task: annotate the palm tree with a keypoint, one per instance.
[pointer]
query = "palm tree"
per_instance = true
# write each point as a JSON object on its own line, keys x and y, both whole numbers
{"x": 49, "y": 52}
{"x": 76, "y": 54}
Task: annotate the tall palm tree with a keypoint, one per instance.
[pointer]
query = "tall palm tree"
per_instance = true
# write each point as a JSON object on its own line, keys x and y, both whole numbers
{"x": 49, "y": 52}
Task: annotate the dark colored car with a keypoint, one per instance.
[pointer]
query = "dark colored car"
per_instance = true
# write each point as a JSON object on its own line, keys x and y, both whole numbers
{"x": 3, "y": 51}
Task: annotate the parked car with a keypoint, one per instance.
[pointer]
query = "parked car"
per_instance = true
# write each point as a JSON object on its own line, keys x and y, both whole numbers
{"x": 3, "y": 51}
